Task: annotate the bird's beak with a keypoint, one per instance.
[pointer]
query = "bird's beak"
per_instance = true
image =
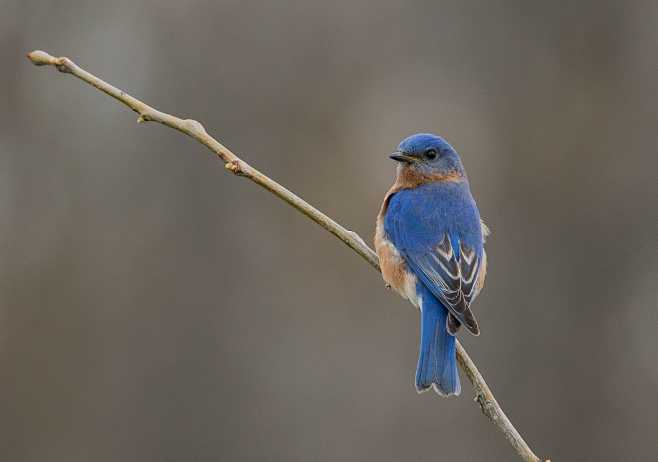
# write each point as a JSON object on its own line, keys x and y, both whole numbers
{"x": 402, "y": 157}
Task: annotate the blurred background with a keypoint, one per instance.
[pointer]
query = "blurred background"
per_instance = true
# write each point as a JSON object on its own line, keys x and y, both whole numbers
{"x": 155, "y": 308}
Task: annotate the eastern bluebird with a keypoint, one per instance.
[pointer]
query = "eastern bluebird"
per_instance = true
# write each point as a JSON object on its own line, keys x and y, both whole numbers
{"x": 430, "y": 243}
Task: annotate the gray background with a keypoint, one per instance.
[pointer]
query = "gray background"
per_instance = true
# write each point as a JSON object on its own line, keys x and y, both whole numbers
{"x": 155, "y": 308}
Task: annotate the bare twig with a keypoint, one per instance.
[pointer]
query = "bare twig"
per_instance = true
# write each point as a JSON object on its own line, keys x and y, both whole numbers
{"x": 235, "y": 165}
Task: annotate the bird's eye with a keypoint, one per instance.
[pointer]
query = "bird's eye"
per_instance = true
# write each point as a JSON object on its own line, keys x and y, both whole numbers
{"x": 430, "y": 153}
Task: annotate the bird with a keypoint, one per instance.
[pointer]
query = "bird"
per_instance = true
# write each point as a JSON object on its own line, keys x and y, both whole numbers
{"x": 429, "y": 239}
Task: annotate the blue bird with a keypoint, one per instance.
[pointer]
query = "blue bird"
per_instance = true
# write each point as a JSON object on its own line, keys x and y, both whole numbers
{"x": 430, "y": 243}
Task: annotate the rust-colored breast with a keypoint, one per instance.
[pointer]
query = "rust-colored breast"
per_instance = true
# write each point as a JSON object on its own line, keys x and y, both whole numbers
{"x": 394, "y": 269}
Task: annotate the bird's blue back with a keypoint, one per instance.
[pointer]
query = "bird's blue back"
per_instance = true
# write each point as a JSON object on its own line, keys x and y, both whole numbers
{"x": 417, "y": 219}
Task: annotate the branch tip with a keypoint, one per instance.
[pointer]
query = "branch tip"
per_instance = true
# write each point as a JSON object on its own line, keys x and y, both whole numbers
{"x": 41, "y": 58}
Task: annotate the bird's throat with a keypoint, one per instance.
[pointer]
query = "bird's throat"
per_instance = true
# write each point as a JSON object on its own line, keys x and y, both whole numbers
{"x": 409, "y": 177}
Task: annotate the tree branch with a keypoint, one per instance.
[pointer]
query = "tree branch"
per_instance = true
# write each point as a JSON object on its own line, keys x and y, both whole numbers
{"x": 235, "y": 165}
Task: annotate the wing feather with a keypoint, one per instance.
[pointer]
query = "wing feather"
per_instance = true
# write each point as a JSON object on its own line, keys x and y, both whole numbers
{"x": 451, "y": 276}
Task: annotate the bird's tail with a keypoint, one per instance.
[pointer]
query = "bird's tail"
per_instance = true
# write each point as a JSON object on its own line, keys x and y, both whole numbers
{"x": 437, "y": 363}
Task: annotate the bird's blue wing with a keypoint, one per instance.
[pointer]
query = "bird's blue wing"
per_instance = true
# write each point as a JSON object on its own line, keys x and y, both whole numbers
{"x": 437, "y": 231}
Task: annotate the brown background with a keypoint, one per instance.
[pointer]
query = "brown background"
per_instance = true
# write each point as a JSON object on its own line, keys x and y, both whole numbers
{"x": 154, "y": 308}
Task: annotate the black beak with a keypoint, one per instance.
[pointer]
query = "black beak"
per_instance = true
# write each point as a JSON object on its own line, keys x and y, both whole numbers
{"x": 402, "y": 157}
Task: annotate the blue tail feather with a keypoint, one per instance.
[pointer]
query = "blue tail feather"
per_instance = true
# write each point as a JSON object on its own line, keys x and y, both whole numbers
{"x": 437, "y": 362}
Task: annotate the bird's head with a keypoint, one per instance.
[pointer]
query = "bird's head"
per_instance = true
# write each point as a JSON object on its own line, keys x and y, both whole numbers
{"x": 429, "y": 156}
